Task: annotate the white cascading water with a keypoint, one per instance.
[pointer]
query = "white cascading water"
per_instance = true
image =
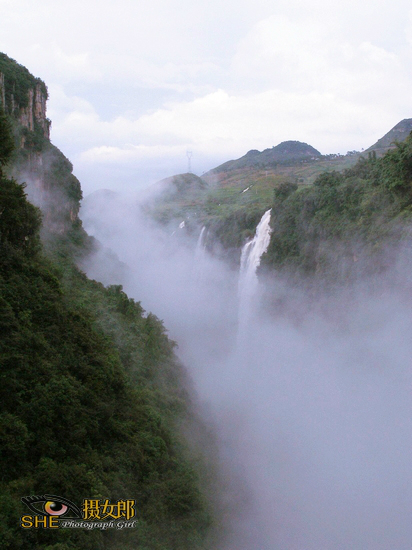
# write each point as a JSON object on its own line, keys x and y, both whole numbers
{"x": 313, "y": 419}
{"x": 250, "y": 260}
{"x": 200, "y": 254}
{"x": 201, "y": 242}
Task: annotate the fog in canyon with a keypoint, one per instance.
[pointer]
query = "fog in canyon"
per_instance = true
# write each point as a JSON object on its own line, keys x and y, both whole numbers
{"x": 312, "y": 406}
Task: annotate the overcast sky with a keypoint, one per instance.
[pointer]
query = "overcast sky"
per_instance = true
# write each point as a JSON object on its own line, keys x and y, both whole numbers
{"x": 134, "y": 85}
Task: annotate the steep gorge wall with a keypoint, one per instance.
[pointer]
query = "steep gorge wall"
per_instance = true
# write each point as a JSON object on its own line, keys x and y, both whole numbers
{"x": 93, "y": 400}
{"x": 30, "y": 115}
{"x": 51, "y": 184}
{"x": 23, "y": 97}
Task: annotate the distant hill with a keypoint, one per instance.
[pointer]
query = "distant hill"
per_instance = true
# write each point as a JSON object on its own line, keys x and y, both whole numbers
{"x": 180, "y": 185}
{"x": 398, "y": 133}
{"x": 287, "y": 152}
{"x": 232, "y": 197}
{"x": 184, "y": 183}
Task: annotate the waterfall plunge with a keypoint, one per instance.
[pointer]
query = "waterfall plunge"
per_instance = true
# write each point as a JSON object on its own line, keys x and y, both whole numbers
{"x": 201, "y": 242}
{"x": 250, "y": 260}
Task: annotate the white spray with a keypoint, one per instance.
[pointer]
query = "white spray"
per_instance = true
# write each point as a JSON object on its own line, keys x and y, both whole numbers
{"x": 313, "y": 413}
{"x": 201, "y": 242}
{"x": 250, "y": 260}
{"x": 201, "y": 262}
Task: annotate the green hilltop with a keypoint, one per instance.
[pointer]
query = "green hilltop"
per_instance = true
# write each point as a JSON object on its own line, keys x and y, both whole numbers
{"x": 287, "y": 152}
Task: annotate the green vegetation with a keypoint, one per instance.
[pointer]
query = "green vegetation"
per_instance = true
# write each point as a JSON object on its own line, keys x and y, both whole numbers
{"x": 6, "y": 140}
{"x": 334, "y": 217}
{"x": 398, "y": 133}
{"x": 17, "y": 82}
{"x": 179, "y": 197}
{"x": 284, "y": 154}
{"x": 53, "y": 183}
{"x": 229, "y": 213}
{"x": 93, "y": 400}
{"x": 233, "y": 196}
{"x": 347, "y": 224}
{"x": 17, "y": 88}
{"x": 92, "y": 397}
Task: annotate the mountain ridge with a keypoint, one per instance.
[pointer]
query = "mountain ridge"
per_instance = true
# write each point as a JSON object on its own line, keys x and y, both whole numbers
{"x": 239, "y": 191}
{"x": 283, "y": 153}
{"x": 398, "y": 133}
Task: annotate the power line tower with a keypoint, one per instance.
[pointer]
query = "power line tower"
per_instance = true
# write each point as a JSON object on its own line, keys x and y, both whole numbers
{"x": 189, "y": 161}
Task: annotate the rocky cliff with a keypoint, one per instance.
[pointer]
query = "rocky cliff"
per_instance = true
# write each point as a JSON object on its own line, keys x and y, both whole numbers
{"x": 23, "y": 97}
{"x": 47, "y": 173}
{"x": 93, "y": 400}
{"x": 30, "y": 115}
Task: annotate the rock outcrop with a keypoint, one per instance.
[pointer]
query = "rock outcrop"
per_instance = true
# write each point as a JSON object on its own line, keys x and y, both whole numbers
{"x": 45, "y": 170}
{"x": 34, "y": 112}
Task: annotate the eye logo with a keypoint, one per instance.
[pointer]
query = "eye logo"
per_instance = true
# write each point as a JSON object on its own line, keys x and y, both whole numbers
{"x": 52, "y": 505}
{"x": 54, "y": 512}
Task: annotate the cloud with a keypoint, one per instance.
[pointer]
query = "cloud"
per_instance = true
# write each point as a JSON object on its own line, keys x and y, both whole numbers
{"x": 303, "y": 55}
{"x": 311, "y": 404}
{"x": 218, "y": 79}
{"x": 69, "y": 67}
{"x": 277, "y": 52}
{"x": 234, "y": 123}
{"x": 129, "y": 153}
{"x": 216, "y": 127}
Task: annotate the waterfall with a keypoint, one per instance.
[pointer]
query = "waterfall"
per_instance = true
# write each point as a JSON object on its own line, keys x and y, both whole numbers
{"x": 200, "y": 251}
{"x": 249, "y": 262}
{"x": 200, "y": 256}
{"x": 252, "y": 252}
{"x": 201, "y": 242}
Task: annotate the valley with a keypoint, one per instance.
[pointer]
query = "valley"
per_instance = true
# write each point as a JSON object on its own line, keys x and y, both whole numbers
{"x": 229, "y": 350}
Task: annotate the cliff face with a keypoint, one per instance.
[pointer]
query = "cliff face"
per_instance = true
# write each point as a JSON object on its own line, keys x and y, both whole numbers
{"x": 28, "y": 116}
{"x": 23, "y": 97}
{"x": 93, "y": 400}
{"x": 46, "y": 171}
{"x": 35, "y": 111}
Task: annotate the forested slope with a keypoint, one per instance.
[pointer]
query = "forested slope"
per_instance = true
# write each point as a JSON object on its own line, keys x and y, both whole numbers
{"x": 347, "y": 225}
{"x": 93, "y": 399}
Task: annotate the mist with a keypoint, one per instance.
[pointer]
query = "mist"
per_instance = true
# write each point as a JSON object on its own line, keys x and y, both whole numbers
{"x": 311, "y": 403}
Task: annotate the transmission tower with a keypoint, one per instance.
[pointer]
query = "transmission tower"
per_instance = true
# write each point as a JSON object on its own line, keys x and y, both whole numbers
{"x": 189, "y": 161}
